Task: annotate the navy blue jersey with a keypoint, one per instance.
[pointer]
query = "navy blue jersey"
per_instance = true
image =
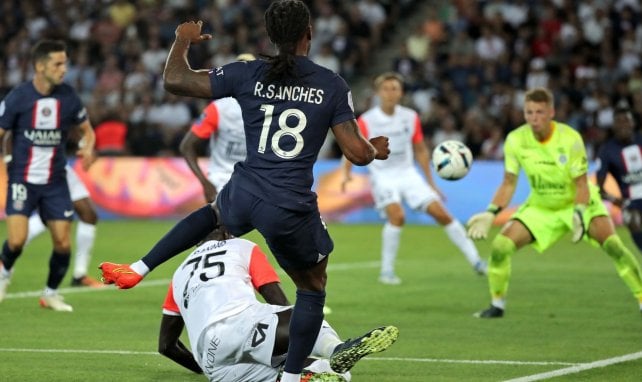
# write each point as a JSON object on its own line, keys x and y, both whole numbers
{"x": 624, "y": 163}
{"x": 285, "y": 126}
{"x": 40, "y": 125}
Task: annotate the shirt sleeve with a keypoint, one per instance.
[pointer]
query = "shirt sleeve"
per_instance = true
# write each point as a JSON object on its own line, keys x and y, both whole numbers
{"x": 169, "y": 305}
{"x": 344, "y": 109}
{"x": 511, "y": 162}
{"x": 7, "y": 112}
{"x": 207, "y": 123}
{"x": 602, "y": 163}
{"x": 261, "y": 272}
{"x": 418, "y": 135}
{"x": 578, "y": 161}
{"x": 363, "y": 127}
{"x": 225, "y": 80}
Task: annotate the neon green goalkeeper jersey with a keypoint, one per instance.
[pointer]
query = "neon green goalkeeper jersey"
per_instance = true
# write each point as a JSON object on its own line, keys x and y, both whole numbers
{"x": 550, "y": 166}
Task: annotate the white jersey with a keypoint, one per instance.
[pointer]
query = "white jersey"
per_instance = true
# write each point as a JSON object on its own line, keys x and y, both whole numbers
{"x": 403, "y": 128}
{"x": 217, "y": 281}
{"x": 222, "y": 123}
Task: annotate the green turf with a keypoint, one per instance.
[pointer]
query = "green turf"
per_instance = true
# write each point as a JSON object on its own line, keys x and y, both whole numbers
{"x": 566, "y": 307}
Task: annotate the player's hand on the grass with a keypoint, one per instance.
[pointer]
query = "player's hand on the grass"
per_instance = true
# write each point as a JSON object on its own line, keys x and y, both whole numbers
{"x": 120, "y": 274}
{"x": 191, "y": 31}
{"x": 479, "y": 225}
{"x": 381, "y": 144}
{"x": 578, "y": 223}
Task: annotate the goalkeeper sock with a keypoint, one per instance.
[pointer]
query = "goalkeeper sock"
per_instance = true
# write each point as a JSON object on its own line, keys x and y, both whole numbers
{"x": 457, "y": 234}
{"x": 185, "y": 234}
{"x": 390, "y": 237}
{"x": 499, "y": 267}
{"x": 626, "y": 264}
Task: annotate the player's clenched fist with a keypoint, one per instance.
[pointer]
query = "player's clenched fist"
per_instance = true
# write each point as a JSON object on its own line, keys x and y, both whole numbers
{"x": 120, "y": 274}
{"x": 381, "y": 145}
{"x": 191, "y": 31}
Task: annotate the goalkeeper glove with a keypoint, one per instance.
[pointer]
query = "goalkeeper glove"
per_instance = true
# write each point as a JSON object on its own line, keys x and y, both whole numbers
{"x": 120, "y": 274}
{"x": 479, "y": 224}
{"x": 578, "y": 223}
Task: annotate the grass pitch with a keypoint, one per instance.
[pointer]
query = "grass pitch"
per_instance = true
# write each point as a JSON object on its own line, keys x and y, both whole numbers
{"x": 569, "y": 315}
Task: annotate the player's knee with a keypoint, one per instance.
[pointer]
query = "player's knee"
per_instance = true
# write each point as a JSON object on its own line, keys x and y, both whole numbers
{"x": 397, "y": 220}
{"x": 501, "y": 248}
{"x": 15, "y": 245}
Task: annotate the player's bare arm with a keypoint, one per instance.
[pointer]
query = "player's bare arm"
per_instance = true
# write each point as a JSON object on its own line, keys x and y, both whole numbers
{"x": 356, "y": 148}
{"x": 170, "y": 345}
{"x": 5, "y": 135}
{"x": 86, "y": 150}
{"x": 179, "y": 78}
{"x": 188, "y": 148}
{"x": 422, "y": 156}
{"x": 506, "y": 190}
{"x": 273, "y": 294}
{"x": 582, "y": 194}
{"x": 346, "y": 173}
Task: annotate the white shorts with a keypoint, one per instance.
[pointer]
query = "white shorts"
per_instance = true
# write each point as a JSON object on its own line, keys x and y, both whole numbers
{"x": 77, "y": 188}
{"x": 406, "y": 186}
{"x": 239, "y": 348}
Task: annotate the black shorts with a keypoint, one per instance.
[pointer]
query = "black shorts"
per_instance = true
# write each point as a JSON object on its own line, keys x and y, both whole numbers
{"x": 298, "y": 240}
{"x": 52, "y": 200}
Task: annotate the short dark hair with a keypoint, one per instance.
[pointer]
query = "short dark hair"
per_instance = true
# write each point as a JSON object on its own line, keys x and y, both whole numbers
{"x": 286, "y": 22}
{"x": 41, "y": 50}
{"x": 539, "y": 95}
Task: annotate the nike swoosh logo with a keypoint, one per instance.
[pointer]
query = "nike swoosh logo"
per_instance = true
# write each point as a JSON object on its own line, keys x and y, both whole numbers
{"x": 321, "y": 257}
{"x": 68, "y": 213}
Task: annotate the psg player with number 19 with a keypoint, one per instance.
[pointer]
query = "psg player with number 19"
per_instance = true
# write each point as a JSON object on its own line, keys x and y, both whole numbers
{"x": 40, "y": 115}
{"x": 288, "y": 104}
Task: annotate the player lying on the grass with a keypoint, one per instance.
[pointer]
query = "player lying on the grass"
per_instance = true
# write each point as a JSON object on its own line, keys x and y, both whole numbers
{"x": 233, "y": 336}
{"x": 553, "y": 157}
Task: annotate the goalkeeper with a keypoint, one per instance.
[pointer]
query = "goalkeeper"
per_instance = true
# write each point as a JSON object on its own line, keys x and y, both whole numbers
{"x": 553, "y": 156}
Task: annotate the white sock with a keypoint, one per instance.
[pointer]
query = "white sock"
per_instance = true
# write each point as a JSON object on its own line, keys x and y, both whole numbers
{"x": 49, "y": 292}
{"x": 390, "y": 237}
{"x": 326, "y": 341}
{"x": 287, "y": 377}
{"x": 499, "y": 303}
{"x": 36, "y": 227}
{"x": 323, "y": 366}
{"x": 457, "y": 234}
{"x": 85, "y": 237}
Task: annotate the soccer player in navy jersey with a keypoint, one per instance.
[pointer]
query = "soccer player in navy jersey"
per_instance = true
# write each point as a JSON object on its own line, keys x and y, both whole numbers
{"x": 288, "y": 105}
{"x": 41, "y": 113}
{"x": 621, "y": 157}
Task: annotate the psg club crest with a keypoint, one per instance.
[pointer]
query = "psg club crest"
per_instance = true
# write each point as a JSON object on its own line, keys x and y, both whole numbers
{"x": 46, "y": 111}
{"x": 18, "y": 205}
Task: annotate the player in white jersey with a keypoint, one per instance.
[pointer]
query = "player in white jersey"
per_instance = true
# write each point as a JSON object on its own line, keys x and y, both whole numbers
{"x": 221, "y": 122}
{"x": 233, "y": 336}
{"x": 396, "y": 180}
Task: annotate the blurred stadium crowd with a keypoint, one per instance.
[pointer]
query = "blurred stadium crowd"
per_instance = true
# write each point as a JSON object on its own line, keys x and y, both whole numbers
{"x": 466, "y": 64}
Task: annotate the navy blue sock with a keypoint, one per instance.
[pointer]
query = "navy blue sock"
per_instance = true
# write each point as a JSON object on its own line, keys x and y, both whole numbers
{"x": 307, "y": 317}
{"x": 58, "y": 265}
{"x": 8, "y": 256}
{"x": 637, "y": 238}
{"x": 185, "y": 234}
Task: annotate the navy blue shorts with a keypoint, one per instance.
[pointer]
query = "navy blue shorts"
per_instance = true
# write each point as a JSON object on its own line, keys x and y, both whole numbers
{"x": 52, "y": 201}
{"x": 298, "y": 240}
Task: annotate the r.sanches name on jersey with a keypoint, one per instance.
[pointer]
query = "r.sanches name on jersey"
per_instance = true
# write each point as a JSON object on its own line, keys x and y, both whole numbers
{"x": 289, "y": 93}
{"x": 44, "y": 137}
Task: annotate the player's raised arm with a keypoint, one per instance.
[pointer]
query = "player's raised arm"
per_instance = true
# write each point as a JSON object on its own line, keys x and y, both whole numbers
{"x": 356, "y": 148}
{"x": 179, "y": 78}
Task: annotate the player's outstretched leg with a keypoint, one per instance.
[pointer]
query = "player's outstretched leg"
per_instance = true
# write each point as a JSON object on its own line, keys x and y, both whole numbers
{"x": 347, "y": 354}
